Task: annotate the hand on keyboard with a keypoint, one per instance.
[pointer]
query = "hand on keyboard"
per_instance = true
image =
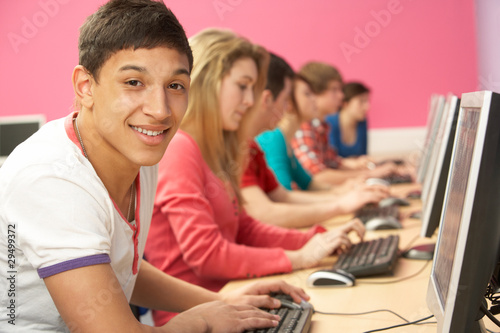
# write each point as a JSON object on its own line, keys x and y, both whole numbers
{"x": 325, "y": 244}
{"x": 294, "y": 318}
{"x": 218, "y": 316}
{"x": 360, "y": 196}
{"x": 258, "y": 294}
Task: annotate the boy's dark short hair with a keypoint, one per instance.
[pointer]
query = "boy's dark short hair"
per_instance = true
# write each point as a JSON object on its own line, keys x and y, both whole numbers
{"x": 319, "y": 75}
{"x": 124, "y": 24}
{"x": 353, "y": 89}
{"x": 278, "y": 70}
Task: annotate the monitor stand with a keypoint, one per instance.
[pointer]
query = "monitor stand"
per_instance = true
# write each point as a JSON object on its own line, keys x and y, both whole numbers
{"x": 420, "y": 252}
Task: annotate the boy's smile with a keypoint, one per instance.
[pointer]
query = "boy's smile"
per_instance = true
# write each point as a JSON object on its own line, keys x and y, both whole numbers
{"x": 136, "y": 105}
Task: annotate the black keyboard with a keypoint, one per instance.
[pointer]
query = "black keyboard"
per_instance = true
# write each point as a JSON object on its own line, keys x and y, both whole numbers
{"x": 295, "y": 318}
{"x": 371, "y": 257}
{"x": 398, "y": 179}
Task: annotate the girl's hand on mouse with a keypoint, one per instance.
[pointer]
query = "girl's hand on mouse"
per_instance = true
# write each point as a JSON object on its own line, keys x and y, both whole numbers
{"x": 325, "y": 244}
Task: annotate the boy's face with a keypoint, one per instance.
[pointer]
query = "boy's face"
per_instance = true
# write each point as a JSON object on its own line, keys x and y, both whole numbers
{"x": 330, "y": 100}
{"x": 280, "y": 104}
{"x": 270, "y": 110}
{"x": 139, "y": 102}
{"x": 306, "y": 101}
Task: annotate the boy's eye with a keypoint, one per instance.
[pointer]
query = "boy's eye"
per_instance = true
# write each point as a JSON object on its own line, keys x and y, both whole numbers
{"x": 176, "y": 86}
{"x": 133, "y": 83}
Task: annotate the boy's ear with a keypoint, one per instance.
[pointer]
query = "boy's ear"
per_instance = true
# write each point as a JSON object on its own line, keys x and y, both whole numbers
{"x": 266, "y": 99}
{"x": 82, "y": 85}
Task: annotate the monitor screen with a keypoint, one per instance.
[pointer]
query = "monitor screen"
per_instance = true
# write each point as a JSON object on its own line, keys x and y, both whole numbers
{"x": 435, "y": 186}
{"x": 434, "y": 148}
{"x": 434, "y": 118}
{"x": 455, "y": 200}
{"x": 469, "y": 234}
{"x": 14, "y": 130}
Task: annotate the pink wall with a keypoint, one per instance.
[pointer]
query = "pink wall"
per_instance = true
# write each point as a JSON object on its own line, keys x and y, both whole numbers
{"x": 404, "y": 50}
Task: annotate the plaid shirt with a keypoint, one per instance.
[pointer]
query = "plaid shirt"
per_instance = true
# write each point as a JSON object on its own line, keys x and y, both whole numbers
{"x": 311, "y": 147}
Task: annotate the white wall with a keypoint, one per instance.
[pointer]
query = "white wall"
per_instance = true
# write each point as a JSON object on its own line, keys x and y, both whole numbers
{"x": 488, "y": 40}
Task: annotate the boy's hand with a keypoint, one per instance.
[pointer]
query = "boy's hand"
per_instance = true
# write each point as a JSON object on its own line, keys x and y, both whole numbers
{"x": 220, "y": 317}
{"x": 258, "y": 294}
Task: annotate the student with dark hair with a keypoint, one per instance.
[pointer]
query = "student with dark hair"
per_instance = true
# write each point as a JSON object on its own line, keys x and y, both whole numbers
{"x": 273, "y": 169}
{"x": 348, "y": 129}
{"x": 78, "y": 195}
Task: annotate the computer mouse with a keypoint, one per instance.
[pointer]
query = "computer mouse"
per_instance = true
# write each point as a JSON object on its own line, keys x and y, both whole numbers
{"x": 420, "y": 252}
{"x": 377, "y": 181}
{"x": 383, "y": 223}
{"x": 331, "y": 278}
{"x": 391, "y": 201}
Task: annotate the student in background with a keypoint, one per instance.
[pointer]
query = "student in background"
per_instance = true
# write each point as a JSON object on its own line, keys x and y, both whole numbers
{"x": 77, "y": 197}
{"x": 275, "y": 202}
{"x": 348, "y": 130}
{"x": 310, "y": 143}
{"x": 199, "y": 231}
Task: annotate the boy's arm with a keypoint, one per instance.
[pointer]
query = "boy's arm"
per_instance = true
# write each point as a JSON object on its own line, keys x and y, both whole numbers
{"x": 90, "y": 299}
{"x": 337, "y": 176}
{"x": 276, "y": 208}
{"x": 296, "y": 209}
{"x": 155, "y": 289}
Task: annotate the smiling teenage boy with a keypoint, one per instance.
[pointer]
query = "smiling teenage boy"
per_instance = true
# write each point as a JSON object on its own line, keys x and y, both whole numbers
{"x": 79, "y": 193}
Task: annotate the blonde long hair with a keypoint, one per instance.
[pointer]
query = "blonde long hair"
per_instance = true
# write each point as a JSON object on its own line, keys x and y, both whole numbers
{"x": 215, "y": 51}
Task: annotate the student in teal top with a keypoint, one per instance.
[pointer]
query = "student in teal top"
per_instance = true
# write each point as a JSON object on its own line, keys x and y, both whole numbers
{"x": 282, "y": 161}
{"x": 275, "y": 143}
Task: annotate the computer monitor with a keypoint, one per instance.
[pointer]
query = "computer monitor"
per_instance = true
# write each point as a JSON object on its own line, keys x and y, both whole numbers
{"x": 469, "y": 235}
{"x": 16, "y": 129}
{"x": 430, "y": 119}
{"x": 434, "y": 185}
{"x": 433, "y": 119}
{"x": 434, "y": 148}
